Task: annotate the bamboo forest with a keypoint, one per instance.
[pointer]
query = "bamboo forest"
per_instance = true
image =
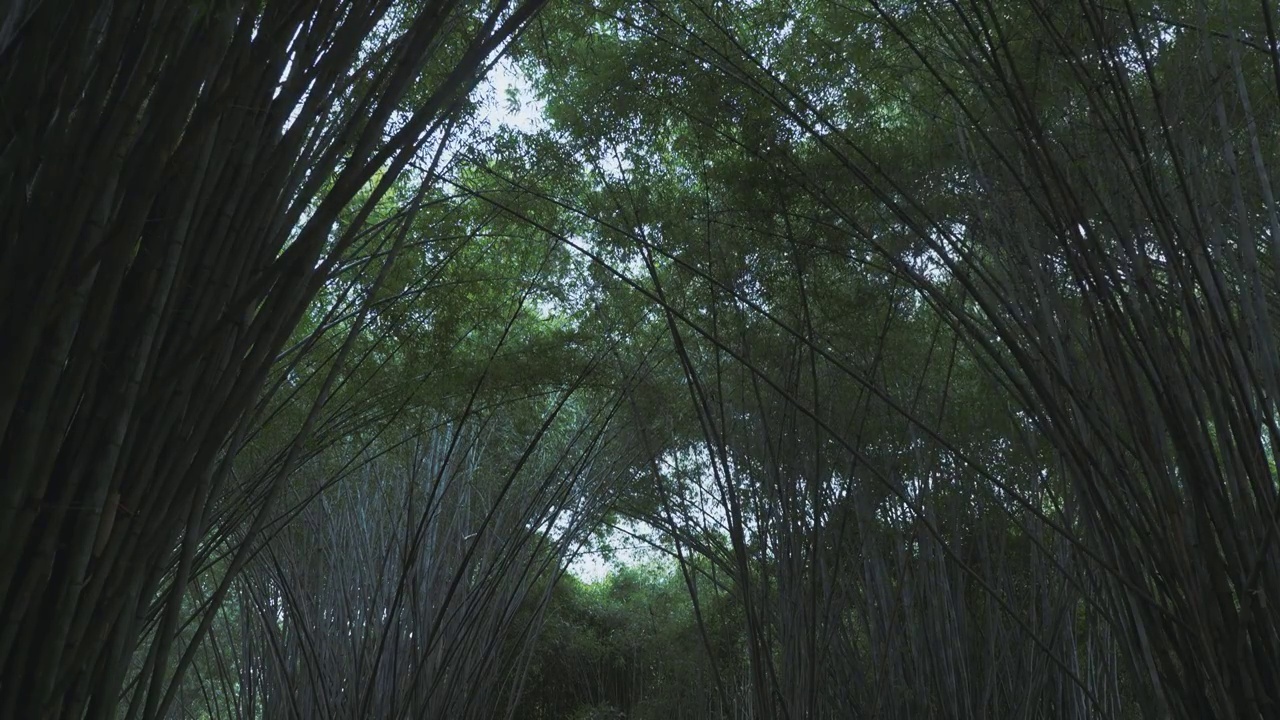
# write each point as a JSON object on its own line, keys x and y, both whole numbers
{"x": 639, "y": 359}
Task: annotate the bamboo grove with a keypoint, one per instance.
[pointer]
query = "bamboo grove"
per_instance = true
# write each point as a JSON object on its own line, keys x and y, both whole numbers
{"x": 929, "y": 343}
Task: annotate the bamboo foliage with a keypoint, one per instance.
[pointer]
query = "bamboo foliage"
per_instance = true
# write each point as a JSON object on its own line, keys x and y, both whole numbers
{"x": 414, "y": 588}
{"x": 1119, "y": 259}
{"x": 1095, "y": 224}
{"x": 933, "y": 603}
{"x": 967, "y": 305}
{"x": 172, "y": 174}
{"x": 853, "y": 561}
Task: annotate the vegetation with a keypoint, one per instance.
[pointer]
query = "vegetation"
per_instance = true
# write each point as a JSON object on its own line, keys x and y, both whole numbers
{"x": 927, "y": 346}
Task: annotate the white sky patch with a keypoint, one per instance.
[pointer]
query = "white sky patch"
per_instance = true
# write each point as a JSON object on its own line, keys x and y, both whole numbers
{"x": 507, "y": 99}
{"x": 591, "y": 566}
{"x": 698, "y": 503}
{"x": 615, "y": 165}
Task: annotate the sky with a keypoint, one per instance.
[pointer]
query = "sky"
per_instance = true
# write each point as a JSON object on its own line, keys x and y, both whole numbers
{"x": 505, "y": 82}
